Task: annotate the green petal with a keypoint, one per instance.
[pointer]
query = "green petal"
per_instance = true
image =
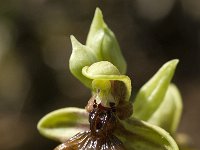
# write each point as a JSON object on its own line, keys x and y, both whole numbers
{"x": 103, "y": 43}
{"x": 104, "y": 70}
{"x": 168, "y": 114}
{"x": 151, "y": 95}
{"x": 64, "y": 123}
{"x": 140, "y": 135}
{"x": 81, "y": 56}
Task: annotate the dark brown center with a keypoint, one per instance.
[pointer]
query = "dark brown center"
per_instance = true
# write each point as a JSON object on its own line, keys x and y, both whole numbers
{"x": 102, "y": 120}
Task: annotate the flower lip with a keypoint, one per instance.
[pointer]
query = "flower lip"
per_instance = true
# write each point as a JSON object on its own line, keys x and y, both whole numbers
{"x": 100, "y": 136}
{"x": 102, "y": 120}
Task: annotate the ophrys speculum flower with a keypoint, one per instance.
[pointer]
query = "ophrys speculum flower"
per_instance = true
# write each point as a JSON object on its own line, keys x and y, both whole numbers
{"x": 112, "y": 122}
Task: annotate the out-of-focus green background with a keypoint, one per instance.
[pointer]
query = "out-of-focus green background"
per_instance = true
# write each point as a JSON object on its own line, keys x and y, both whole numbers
{"x": 35, "y": 49}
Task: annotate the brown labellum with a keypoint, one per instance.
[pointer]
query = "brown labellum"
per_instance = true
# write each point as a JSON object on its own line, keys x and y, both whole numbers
{"x": 100, "y": 136}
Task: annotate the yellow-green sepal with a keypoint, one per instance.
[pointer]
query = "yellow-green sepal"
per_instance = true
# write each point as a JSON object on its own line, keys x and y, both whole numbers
{"x": 168, "y": 115}
{"x": 140, "y": 135}
{"x": 63, "y": 123}
{"x": 103, "y": 43}
{"x": 81, "y": 56}
{"x": 152, "y": 94}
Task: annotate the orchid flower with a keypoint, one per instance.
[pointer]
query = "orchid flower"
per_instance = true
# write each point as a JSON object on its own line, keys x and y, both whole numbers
{"x": 146, "y": 123}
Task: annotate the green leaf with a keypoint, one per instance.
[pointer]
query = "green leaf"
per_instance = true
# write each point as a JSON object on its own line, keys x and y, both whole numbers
{"x": 151, "y": 95}
{"x": 168, "y": 114}
{"x": 105, "y": 71}
{"x": 81, "y": 56}
{"x": 103, "y": 43}
{"x": 63, "y": 123}
{"x": 140, "y": 135}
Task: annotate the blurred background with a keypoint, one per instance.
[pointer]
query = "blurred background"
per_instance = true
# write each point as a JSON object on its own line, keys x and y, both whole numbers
{"x": 35, "y": 49}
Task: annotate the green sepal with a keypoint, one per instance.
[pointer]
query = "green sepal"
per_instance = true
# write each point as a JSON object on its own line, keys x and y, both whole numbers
{"x": 168, "y": 115}
{"x": 106, "y": 71}
{"x": 151, "y": 95}
{"x": 81, "y": 56}
{"x": 103, "y": 43}
{"x": 63, "y": 123}
{"x": 140, "y": 135}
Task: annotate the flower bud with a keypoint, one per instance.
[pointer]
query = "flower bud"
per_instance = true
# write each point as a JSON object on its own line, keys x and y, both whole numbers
{"x": 103, "y": 43}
